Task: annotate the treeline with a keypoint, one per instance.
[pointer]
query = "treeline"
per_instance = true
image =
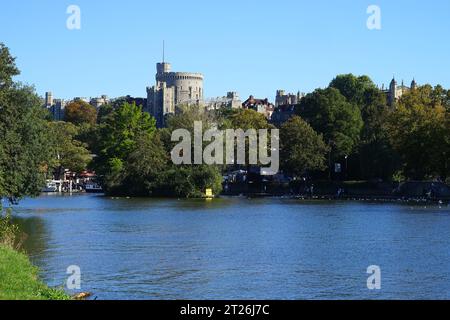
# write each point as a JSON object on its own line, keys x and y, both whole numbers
{"x": 408, "y": 140}
{"x": 349, "y": 122}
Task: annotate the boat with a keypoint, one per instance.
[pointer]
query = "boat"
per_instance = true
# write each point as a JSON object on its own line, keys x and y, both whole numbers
{"x": 93, "y": 188}
{"x": 50, "y": 186}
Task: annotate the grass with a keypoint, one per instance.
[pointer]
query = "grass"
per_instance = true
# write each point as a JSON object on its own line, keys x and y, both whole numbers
{"x": 19, "y": 279}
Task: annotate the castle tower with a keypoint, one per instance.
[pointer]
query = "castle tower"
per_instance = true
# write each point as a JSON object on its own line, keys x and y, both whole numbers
{"x": 48, "y": 99}
{"x": 392, "y": 91}
{"x": 414, "y": 84}
{"x": 171, "y": 90}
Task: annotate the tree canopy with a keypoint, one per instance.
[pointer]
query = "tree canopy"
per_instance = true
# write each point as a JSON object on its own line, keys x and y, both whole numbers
{"x": 329, "y": 113}
{"x": 302, "y": 149}
{"x": 80, "y": 112}
{"x": 25, "y": 150}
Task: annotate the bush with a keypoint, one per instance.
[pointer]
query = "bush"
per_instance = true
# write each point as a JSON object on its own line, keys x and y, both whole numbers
{"x": 10, "y": 234}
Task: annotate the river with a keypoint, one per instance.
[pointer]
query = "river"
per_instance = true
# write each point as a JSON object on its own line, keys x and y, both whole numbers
{"x": 238, "y": 248}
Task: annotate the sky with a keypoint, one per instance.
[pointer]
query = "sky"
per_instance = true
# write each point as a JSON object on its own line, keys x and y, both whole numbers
{"x": 249, "y": 46}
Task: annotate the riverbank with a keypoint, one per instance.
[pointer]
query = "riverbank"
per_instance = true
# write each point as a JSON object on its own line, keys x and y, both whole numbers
{"x": 411, "y": 191}
{"x": 19, "y": 279}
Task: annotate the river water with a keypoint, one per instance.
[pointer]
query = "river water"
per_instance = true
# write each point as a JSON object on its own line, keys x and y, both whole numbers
{"x": 238, "y": 248}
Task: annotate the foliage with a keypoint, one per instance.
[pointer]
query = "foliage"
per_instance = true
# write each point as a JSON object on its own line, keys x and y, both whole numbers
{"x": 121, "y": 129}
{"x": 19, "y": 279}
{"x": 69, "y": 153}
{"x": 10, "y": 235}
{"x": 8, "y": 68}
{"x": 249, "y": 119}
{"x": 25, "y": 151}
{"x": 329, "y": 113}
{"x": 191, "y": 181}
{"x": 353, "y": 88}
{"x": 302, "y": 149}
{"x": 140, "y": 174}
{"x": 419, "y": 130}
{"x": 80, "y": 112}
{"x": 374, "y": 156}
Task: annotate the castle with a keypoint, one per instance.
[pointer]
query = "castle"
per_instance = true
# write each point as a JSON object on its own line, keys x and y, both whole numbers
{"x": 171, "y": 90}
{"x": 395, "y": 91}
{"x": 283, "y": 99}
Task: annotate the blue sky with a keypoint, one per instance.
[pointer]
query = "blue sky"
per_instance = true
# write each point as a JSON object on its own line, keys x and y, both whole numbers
{"x": 250, "y": 46}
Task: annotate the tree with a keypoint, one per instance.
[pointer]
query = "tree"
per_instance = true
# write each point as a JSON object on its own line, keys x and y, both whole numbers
{"x": 25, "y": 151}
{"x": 117, "y": 138}
{"x": 80, "y": 112}
{"x": 353, "y": 88}
{"x": 329, "y": 113}
{"x": 8, "y": 68}
{"x": 69, "y": 153}
{"x": 103, "y": 112}
{"x": 419, "y": 130}
{"x": 302, "y": 149}
{"x": 249, "y": 119}
{"x": 190, "y": 180}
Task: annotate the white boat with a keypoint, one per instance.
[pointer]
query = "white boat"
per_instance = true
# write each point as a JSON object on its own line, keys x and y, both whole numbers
{"x": 93, "y": 188}
{"x": 50, "y": 186}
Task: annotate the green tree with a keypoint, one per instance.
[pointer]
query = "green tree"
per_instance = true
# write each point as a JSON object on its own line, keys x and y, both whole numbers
{"x": 249, "y": 119}
{"x": 353, "y": 88}
{"x": 419, "y": 130}
{"x": 190, "y": 180}
{"x": 329, "y": 113}
{"x": 25, "y": 151}
{"x": 69, "y": 153}
{"x": 144, "y": 167}
{"x": 117, "y": 138}
{"x": 80, "y": 112}
{"x": 302, "y": 149}
{"x": 8, "y": 68}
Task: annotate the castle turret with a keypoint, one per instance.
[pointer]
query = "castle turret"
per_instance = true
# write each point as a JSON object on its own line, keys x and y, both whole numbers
{"x": 393, "y": 85}
{"x": 413, "y": 84}
{"x": 392, "y": 92}
{"x": 48, "y": 99}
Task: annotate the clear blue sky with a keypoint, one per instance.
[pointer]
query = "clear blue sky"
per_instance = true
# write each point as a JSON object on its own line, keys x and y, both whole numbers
{"x": 249, "y": 46}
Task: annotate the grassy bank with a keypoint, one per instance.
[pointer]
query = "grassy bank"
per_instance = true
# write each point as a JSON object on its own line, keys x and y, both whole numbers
{"x": 19, "y": 279}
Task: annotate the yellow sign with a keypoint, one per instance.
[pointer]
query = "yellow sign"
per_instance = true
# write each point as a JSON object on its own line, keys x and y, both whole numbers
{"x": 209, "y": 193}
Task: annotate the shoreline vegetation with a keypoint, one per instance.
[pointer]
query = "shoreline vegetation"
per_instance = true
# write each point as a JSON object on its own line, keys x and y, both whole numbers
{"x": 19, "y": 279}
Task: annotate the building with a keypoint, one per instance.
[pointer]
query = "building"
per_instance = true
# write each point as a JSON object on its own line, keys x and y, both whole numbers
{"x": 171, "y": 90}
{"x": 283, "y": 99}
{"x": 260, "y": 105}
{"x": 283, "y": 113}
{"x": 58, "y": 109}
{"x": 230, "y": 101}
{"x": 48, "y": 99}
{"x": 395, "y": 91}
{"x": 54, "y": 106}
{"x": 99, "y": 101}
